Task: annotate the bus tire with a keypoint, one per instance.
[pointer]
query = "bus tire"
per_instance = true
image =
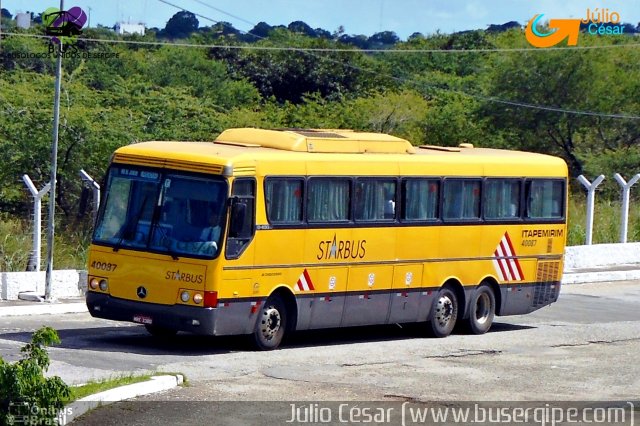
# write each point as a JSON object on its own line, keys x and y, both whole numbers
{"x": 160, "y": 332}
{"x": 444, "y": 313}
{"x": 271, "y": 325}
{"x": 482, "y": 310}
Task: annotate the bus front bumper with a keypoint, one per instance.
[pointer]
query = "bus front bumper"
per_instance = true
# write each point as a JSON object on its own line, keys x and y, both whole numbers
{"x": 192, "y": 319}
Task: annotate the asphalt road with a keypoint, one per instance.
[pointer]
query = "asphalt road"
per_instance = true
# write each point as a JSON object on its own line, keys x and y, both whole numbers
{"x": 585, "y": 347}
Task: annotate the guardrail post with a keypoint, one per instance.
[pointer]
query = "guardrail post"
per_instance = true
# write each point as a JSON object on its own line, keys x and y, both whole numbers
{"x": 37, "y": 218}
{"x": 591, "y": 189}
{"x": 95, "y": 186}
{"x": 626, "y": 189}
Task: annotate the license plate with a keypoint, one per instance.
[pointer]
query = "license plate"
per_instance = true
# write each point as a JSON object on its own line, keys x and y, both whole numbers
{"x": 143, "y": 319}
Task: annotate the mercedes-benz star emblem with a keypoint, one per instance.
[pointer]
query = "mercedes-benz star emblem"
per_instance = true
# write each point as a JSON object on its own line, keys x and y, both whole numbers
{"x": 141, "y": 292}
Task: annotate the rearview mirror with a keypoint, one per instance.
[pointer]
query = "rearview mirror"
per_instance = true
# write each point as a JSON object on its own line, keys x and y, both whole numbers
{"x": 238, "y": 218}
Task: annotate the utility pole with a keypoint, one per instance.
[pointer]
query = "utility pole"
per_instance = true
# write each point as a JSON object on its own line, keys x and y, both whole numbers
{"x": 54, "y": 171}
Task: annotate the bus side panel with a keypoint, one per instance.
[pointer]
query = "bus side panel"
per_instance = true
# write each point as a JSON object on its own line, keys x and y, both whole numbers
{"x": 236, "y": 316}
{"x": 522, "y": 299}
{"x": 459, "y": 245}
{"x": 367, "y": 301}
{"x": 405, "y": 298}
{"x": 325, "y": 310}
{"x": 536, "y": 251}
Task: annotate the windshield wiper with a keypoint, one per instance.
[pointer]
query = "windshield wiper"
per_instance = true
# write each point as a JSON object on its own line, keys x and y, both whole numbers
{"x": 129, "y": 227}
{"x": 156, "y": 227}
{"x": 164, "y": 237}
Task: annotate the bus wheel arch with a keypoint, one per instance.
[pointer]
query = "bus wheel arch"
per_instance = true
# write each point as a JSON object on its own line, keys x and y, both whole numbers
{"x": 482, "y": 308}
{"x": 277, "y": 317}
{"x": 291, "y": 306}
{"x": 446, "y": 309}
{"x": 497, "y": 293}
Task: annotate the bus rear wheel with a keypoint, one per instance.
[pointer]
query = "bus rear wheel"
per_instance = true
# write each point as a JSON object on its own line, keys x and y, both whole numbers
{"x": 160, "y": 332}
{"x": 271, "y": 325}
{"x": 483, "y": 309}
{"x": 444, "y": 313}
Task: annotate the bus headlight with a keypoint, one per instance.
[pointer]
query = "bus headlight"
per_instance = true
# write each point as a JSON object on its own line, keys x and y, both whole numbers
{"x": 93, "y": 283}
{"x": 104, "y": 285}
{"x": 197, "y": 298}
{"x": 185, "y": 296}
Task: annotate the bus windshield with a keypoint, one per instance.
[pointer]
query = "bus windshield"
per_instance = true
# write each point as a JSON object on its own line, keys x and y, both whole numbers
{"x": 171, "y": 212}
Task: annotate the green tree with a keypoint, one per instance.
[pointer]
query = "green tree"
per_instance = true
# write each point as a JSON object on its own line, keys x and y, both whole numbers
{"x": 288, "y": 75}
{"x": 181, "y": 25}
{"x": 383, "y": 39}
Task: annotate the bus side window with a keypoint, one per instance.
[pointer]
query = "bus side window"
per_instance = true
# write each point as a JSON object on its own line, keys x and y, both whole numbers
{"x": 283, "y": 198}
{"x": 375, "y": 199}
{"x": 328, "y": 199}
{"x": 545, "y": 199}
{"x": 502, "y": 199}
{"x": 461, "y": 199}
{"x": 421, "y": 199}
{"x": 241, "y": 225}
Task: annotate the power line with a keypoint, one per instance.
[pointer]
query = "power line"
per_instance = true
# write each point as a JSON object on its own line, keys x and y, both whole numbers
{"x": 321, "y": 49}
{"x": 361, "y": 69}
{"x": 474, "y": 96}
{"x": 313, "y": 51}
{"x": 554, "y": 109}
{"x": 483, "y": 50}
{"x": 185, "y": 10}
{"x": 224, "y": 13}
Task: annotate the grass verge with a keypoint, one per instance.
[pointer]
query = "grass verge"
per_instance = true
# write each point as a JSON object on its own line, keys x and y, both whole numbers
{"x": 93, "y": 387}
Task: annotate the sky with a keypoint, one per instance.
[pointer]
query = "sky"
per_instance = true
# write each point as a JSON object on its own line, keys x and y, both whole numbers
{"x": 367, "y": 17}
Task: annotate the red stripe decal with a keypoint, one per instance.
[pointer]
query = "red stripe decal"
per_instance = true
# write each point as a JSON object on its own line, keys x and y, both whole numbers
{"x": 308, "y": 279}
{"x": 504, "y": 274}
{"x": 512, "y": 273}
{"x": 506, "y": 234}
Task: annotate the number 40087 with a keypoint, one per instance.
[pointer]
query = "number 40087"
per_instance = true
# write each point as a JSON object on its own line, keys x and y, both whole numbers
{"x": 104, "y": 266}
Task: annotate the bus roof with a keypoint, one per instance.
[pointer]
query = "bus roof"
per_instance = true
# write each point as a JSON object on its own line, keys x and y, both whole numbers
{"x": 238, "y": 152}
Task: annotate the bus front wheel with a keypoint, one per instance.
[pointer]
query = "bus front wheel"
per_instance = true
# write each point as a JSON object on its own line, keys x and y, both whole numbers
{"x": 444, "y": 313}
{"x": 483, "y": 309}
{"x": 271, "y": 325}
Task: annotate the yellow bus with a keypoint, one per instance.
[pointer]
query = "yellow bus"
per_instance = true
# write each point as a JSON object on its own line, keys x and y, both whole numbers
{"x": 263, "y": 232}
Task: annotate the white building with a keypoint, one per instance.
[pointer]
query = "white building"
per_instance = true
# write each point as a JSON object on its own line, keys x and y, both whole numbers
{"x": 123, "y": 28}
{"x": 23, "y": 20}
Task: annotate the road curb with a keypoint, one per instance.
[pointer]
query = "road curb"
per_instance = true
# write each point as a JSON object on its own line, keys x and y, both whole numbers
{"x": 83, "y": 405}
{"x": 600, "y": 276}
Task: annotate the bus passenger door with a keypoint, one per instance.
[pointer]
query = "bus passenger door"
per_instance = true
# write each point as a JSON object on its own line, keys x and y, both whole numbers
{"x": 367, "y": 300}
{"x": 405, "y": 297}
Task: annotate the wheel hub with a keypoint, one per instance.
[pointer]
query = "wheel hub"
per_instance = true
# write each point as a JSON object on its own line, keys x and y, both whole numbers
{"x": 483, "y": 308}
{"x": 444, "y": 310}
{"x": 270, "y": 322}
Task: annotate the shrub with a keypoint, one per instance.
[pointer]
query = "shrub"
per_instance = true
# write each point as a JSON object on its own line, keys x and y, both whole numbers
{"x": 26, "y": 395}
